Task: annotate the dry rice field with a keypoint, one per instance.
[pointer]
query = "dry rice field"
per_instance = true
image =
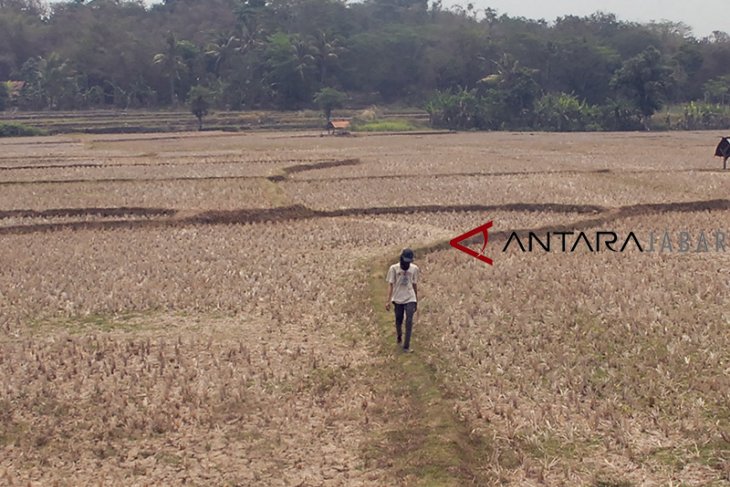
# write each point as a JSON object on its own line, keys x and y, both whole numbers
{"x": 187, "y": 309}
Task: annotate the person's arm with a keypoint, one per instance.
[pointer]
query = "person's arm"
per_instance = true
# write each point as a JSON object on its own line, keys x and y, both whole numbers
{"x": 390, "y": 278}
{"x": 390, "y": 294}
{"x": 416, "y": 278}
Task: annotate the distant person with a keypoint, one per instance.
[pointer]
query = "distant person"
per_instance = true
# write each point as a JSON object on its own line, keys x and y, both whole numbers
{"x": 402, "y": 281}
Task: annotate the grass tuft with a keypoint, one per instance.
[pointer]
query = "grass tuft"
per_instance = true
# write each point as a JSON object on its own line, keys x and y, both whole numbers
{"x": 395, "y": 125}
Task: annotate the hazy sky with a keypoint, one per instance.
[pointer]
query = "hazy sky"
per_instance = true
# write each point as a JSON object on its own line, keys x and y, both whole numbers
{"x": 704, "y": 16}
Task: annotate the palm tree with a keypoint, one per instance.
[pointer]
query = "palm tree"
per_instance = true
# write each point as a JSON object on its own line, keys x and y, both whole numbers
{"x": 33, "y": 91}
{"x": 506, "y": 68}
{"x": 249, "y": 14}
{"x": 327, "y": 49}
{"x": 60, "y": 79}
{"x": 50, "y": 80}
{"x": 290, "y": 66}
{"x": 302, "y": 57}
{"x": 172, "y": 62}
{"x": 222, "y": 48}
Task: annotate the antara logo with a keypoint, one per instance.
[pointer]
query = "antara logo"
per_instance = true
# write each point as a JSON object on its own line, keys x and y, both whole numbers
{"x": 597, "y": 241}
{"x": 570, "y": 241}
{"x": 483, "y": 229}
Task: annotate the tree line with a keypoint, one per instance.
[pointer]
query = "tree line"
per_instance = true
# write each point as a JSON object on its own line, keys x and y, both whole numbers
{"x": 468, "y": 68}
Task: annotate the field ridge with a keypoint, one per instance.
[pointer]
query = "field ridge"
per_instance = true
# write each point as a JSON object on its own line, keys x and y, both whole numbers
{"x": 301, "y": 212}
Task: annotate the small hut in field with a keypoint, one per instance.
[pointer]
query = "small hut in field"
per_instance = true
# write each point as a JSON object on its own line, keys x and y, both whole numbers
{"x": 14, "y": 88}
{"x": 338, "y": 127}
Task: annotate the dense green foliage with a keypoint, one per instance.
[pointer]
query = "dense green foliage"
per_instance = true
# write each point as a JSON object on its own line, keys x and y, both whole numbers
{"x": 328, "y": 99}
{"x": 695, "y": 116}
{"x": 13, "y": 129}
{"x": 472, "y": 69}
{"x": 386, "y": 126}
{"x": 4, "y": 95}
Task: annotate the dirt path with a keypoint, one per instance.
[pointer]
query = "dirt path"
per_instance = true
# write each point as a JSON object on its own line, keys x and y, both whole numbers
{"x": 422, "y": 441}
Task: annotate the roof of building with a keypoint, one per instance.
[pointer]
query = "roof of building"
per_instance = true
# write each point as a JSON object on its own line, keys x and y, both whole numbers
{"x": 339, "y": 124}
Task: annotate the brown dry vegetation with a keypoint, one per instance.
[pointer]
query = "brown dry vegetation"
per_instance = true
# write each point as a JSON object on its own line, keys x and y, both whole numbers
{"x": 170, "y": 318}
{"x": 206, "y": 194}
{"x": 587, "y": 366}
{"x": 605, "y": 189}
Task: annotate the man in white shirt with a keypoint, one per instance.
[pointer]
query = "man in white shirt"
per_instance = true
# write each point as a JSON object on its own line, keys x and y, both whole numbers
{"x": 402, "y": 281}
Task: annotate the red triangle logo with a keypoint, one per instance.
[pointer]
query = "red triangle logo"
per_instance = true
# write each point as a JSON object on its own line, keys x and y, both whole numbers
{"x": 484, "y": 229}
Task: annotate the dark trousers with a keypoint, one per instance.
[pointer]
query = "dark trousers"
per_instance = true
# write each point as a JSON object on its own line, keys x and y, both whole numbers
{"x": 409, "y": 309}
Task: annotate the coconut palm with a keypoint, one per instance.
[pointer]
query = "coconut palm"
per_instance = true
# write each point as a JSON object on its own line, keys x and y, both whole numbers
{"x": 327, "y": 50}
{"x": 302, "y": 56}
{"x": 222, "y": 48}
{"x": 172, "y": 62}
{"x": 249, "y": 14}
{"x": 49, "y": 81}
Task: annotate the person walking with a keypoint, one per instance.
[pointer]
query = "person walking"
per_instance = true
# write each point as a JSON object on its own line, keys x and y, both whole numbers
{"x": 402, "y": 281}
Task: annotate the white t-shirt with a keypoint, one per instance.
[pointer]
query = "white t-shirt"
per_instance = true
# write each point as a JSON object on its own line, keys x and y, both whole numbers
{"x": 403, "y": 282}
